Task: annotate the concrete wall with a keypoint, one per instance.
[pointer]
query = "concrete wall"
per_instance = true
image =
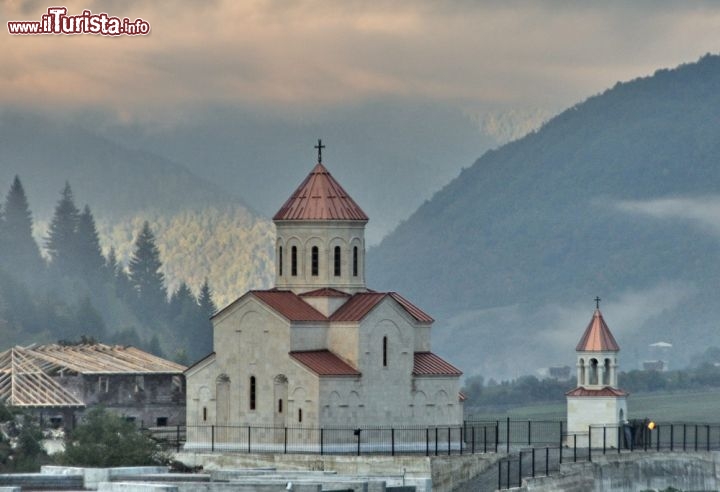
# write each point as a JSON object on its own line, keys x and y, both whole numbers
{"x": 633, "y": 472}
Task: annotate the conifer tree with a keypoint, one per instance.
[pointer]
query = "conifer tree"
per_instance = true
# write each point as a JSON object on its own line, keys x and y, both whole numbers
{"x": 207, "y": 305}
{"x": 181, "y": 301}
{"x": 204, "y": 333}
{"x": 61, "y": 239}
{"x": 89, "y": 254}
{"x": 146, "y": 277}
{"x": 20, "y": 253}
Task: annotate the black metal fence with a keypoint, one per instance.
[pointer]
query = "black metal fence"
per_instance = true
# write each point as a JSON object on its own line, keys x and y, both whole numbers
{"x": 636, "y": 436}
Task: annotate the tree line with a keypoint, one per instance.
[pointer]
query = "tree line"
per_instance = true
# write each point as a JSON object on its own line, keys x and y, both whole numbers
{"x": 73, "y": 291}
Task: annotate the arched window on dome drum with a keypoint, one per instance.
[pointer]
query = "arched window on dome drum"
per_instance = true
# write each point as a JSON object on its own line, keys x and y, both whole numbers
{"x": 355, "y": 261}
{"x": 293, "y": 261}
{"x": 252, "y": 392}
{"x": 337, "y": 261}
{"x": 315, "y": 260}
{"x": 280, "y": 262}
{"x": 385, "y": 352}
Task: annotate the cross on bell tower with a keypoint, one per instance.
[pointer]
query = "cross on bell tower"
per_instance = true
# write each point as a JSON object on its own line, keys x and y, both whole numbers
{"x": 319, "y": 148}
{"x": 597, "y": 302}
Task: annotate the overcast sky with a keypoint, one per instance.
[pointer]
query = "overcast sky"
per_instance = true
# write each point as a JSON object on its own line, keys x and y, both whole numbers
{"x": 295, "y": 55}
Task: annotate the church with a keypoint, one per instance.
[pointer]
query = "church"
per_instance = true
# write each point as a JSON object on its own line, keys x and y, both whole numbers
{"x": 320, "y": 349}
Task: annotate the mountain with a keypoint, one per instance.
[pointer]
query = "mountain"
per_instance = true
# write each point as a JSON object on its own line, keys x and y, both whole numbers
{"x": 202, "y": 230}
{"x": 618, "y": 196}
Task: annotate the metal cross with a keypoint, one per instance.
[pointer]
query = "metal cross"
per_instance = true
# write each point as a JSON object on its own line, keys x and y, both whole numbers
{"x": 597, "y": 302}
{"x": 319, "y": 147}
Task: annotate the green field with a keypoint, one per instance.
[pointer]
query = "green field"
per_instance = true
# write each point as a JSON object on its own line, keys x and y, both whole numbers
{"x": 691, "y": 406}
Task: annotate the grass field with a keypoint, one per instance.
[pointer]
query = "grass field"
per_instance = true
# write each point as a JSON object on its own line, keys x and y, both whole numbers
{"x": 691, "y": 406}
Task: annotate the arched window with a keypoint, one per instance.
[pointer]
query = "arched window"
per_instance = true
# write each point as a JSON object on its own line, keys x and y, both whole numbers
{"x": 293, "y": 261}
{"x": 606, "y": 373}
{"x": 252, "y": 392}
{"x": 581, "y": 376}
{"x": 280, "y": 405}
{"x": 315, "y": 259}
{"x": 355, "y": 261}
{"x": 300, "y": 415}
{"x": 204, "y": 414}
{"x": 384, "y": 351}
{"x": 280, "y": 261}
{"x": 593, "y": 371}
{"x": 337, "y": 261}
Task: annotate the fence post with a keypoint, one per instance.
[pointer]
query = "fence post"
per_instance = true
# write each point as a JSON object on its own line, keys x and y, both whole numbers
{"x": 427, "y": 441}
{"x": 472, "y": 446}
{"x": 520, "y": 470}
{"x": 357, "y": 433}
{"x": 436, "y": 441}
{"x": 707, "y": 438}
{"x": 533, "y": 462}
{"x": 574, "y": 448}
{"x": 449, "y": 437}
{"x": 499, "y": 474}
{"x": 285, "y": 441}
{"x": 696, "y": 444}
{"x": 507, "y": 434}
{"x": 657, "y": 444}
{"x": 212, "y": 438}
{"x": 547, "y": 461}
{"x": 684, "y": 436}
{"x": 177, "y": 438}
{"x": 561, "y": 440}
{"x": 249, "y": 440}
{"x": 604, "y": 439}
{"x": 589, "y": 442}
{"x": 497, "y": 432}
{"x": 620, "y": 437}
{"x": 484, "y": 438}
{"x": 672, "y": 437}
{"x": 392, "y": 441}
{"x": 461, "y": 439}
{"x": 529, "y": 431}
{"x": 322, "y": 450}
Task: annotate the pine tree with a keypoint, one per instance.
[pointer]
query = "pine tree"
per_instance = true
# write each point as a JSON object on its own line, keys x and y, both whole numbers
{"x": 206, "y": 303}
{"x": 61, "y": 239}
{"x": 89, "y": 254}
{"x": 146, "y": 277}
{"x": 180, "y": 301}
{"x": 204, "y": 334}
{"x": 89, "y": 323}
{"x": 19, "y": 253}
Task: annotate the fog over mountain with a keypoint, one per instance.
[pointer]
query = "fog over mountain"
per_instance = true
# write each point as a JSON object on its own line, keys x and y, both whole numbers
{"x": 617, "y": 197}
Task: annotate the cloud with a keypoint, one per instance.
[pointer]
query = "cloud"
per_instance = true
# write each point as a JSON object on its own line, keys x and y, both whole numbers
{"x": 704, "y": 212}
{"x": 312, "y": 53}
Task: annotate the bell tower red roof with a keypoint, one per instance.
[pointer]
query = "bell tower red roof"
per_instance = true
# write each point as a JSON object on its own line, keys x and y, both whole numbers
{"x": 320, "y": 197}
{"x": 597, "y": 336}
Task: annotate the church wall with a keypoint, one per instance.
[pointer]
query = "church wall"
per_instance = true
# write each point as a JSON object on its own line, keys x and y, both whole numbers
{"x": 303, "y": 395}
{"x": 325, "y": 235}
{"x": 343, "y": 340}
{"x": 596, "y": 411}
{"x": 308, "y": 337}
{"x": 435, "y": 401}
{"x": 422, "y": 338}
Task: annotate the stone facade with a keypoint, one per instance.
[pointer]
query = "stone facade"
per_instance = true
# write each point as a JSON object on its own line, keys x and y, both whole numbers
{"x": 322, "y": 350}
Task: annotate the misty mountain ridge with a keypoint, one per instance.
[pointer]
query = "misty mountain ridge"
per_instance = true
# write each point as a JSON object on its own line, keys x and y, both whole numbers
{"x": 617, "y": 196}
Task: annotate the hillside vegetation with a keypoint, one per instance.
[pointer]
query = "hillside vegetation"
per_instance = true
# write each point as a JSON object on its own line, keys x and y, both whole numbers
{"x": 618, "y": 196}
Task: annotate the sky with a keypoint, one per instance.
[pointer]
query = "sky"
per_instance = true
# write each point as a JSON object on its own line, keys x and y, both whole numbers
{"x": 294, "y": 61}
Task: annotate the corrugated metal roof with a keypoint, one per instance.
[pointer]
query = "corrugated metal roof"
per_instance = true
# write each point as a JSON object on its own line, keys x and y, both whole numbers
{"x": 429, "y": 364}
{"x": 289, "y": 305}
{"x": 606, "y": 391}
{"x": 360, "y": 304}
{"x": 324, "y": 363}
{"x": 320, "y": 197}
{"x": 26, "y": 373}
{"x": 325, "y": 292}
{"x": 597, "y": 336}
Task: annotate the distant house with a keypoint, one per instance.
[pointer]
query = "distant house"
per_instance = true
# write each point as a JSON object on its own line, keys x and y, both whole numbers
{"x": 59, "y": 382}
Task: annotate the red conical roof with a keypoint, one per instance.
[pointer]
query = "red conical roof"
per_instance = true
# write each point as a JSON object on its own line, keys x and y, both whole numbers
{"x": 320, "y": 197}
{"x": 597, "y": 336}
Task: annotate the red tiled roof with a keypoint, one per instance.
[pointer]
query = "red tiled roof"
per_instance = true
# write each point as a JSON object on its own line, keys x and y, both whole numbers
{"x": 597, "y": 336}
{"x": 360, "y": 304}
{"x": 606, "y": 391}
{"x": 289, "y": 305}
{"x": 429, "y": 364}
{"x": 320, "y": 197}
{"x": 325, "y": 292}
{"x": 324, "y": 363}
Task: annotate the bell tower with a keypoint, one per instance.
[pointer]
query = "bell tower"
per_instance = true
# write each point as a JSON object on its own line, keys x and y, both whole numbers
{"x": 597, "y": 401}
{"x": 320, "y": 241}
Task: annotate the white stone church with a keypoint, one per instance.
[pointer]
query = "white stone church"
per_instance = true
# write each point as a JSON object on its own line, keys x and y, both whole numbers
{"x": 321, "y": 349}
